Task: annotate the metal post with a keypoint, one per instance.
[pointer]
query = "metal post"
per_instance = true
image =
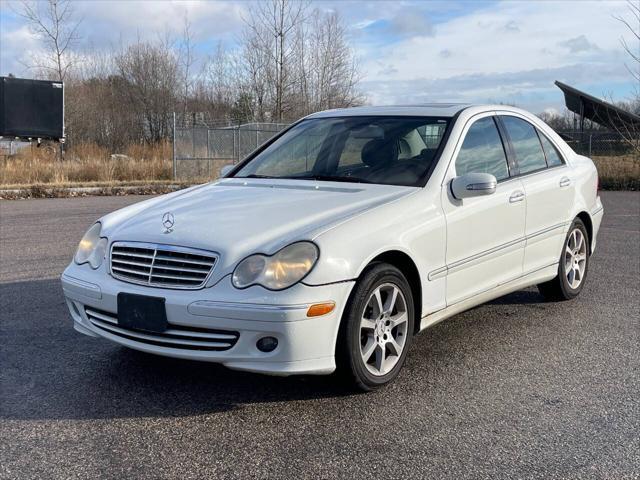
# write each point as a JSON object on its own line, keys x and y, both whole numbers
{"x": 581, "y": 123}
{"x": 236, "y": 145}
{"x": 174, "y": 146}
{"x": 193, "y": 142}
{"x": 208, "y": 154}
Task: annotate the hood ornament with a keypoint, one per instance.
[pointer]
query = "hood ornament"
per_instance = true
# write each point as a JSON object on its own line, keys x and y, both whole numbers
{"x": 168, "y": 221}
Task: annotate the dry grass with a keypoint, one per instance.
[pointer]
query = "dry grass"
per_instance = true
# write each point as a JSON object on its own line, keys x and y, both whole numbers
{"x": 619, "y": 172}
{"x": 87, "y": 163}
{"x": 90, "y": 165}
{"x": 60, "y": 191}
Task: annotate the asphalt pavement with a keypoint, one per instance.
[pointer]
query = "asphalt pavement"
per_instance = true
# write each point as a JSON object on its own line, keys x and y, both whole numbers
{"x": 518, "y": 388}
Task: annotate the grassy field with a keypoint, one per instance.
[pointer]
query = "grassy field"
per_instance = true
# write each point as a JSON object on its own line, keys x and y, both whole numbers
{"x": 619, "y": 172}
{"x": 85, "y": 164}
{"x": 90, "y": 165}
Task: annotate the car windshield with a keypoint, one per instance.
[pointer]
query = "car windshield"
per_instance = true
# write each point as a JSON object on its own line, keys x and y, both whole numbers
{"x": 386, "y": 150}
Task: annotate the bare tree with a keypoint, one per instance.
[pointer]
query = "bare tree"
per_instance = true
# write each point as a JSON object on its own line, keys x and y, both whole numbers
{"x": 98, "y": 108}
{"x": 151, "y": 75}
{"x": 625, "y": 126}
{"x": 255, "y": 67}
{"x": 187, "y": 61}
{"x": 558, "y": 121}
{"x": 332, "y": 68}
{"x": 633, "y": 27}
{"x": 219, "y": 83}
{"x": 630, "y": 131}
{"x": 296, "y": 62}
{"x": 272, "y": 26}
{"x": 290, "y": 62}
{"x": 54, "y": 22}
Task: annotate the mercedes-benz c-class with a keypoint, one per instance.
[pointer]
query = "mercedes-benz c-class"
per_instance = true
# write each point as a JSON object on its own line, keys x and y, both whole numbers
{"x": 338, "y": 240}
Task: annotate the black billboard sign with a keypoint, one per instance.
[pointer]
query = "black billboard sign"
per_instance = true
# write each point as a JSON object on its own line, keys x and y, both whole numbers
{"x": 31, "y": 108}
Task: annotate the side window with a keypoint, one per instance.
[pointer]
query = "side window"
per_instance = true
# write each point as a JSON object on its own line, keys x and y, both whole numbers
{"x": 553, "y": 155}
{"x": 526, "y": 144}
{"x": 482, "y": 151}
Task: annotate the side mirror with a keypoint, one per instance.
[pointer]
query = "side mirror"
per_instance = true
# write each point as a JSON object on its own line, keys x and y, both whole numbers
{"x": 473, "y": 185}
{"x": 225, "y": 170}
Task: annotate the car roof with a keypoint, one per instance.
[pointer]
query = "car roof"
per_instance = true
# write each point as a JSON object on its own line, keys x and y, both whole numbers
{"x": 424, "y": 110}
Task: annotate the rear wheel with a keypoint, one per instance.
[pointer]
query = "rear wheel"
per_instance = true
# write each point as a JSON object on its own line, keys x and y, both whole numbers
{"x": 573, "y": 267}
{"x": 377, "y": 327}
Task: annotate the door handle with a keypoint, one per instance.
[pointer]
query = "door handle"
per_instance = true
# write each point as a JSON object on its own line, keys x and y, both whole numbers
{"x": 516, "y": 196}
{"x": 565, "y": 182}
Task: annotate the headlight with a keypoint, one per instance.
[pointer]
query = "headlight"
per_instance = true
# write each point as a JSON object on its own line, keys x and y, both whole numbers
{"x": 92, "y": 248}
{"x": 279, "y": 271}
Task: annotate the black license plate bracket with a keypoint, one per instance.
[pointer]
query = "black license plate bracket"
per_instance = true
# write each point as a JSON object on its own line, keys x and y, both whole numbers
{"x": 140, "y": 312}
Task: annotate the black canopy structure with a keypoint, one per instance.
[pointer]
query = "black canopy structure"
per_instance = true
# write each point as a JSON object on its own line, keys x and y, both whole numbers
{"x": 599, "y": 111}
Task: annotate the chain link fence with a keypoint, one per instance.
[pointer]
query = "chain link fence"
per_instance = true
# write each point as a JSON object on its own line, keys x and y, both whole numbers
{"x": 199, "y": 152}
{"x": 598, "y": 143}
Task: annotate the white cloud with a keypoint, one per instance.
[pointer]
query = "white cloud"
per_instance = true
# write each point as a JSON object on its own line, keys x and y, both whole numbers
{"x": 528, "y": 88}
{"x": 578, "y": 44}
{"x": 363, "y": 24}
{"x": 480, "y": 44}
{"x": 408, "y": 51}
{"x": 17, "y": 47}
{"x": 408, "y": 23}
{"x": 106, "y": 23}
{"x": 109, "y": 19}
{"x": 512, "y": 49}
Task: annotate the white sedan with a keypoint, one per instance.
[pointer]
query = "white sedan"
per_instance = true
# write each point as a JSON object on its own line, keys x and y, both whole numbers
{"x": 334, "y": 243}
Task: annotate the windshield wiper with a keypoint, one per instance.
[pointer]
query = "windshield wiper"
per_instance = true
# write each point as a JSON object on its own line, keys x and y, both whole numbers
{"x": 330, "y": 178}
{"x": 255, "y": 175}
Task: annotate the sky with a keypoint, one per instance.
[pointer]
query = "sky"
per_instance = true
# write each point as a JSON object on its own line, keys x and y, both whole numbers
{"x": 408, "y": 51}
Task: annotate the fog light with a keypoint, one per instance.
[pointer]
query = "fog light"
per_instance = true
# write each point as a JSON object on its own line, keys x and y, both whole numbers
{"x": 267, "y": 344}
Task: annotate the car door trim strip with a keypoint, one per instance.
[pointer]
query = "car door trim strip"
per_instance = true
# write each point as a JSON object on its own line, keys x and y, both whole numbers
{"x": 499, "y": 250}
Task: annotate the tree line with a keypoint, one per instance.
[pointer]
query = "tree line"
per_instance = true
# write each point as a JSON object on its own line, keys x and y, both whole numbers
{"x": 291, "y": 60}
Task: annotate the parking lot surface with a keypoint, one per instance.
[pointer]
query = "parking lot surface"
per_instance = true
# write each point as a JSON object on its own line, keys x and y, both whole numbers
{"x": 518, "y": 388}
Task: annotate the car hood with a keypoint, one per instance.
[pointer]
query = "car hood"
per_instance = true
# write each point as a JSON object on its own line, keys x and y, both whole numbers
{"x": 236, "y": 218}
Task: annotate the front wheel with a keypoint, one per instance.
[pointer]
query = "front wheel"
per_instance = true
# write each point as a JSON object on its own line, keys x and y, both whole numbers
{"x": 377, "y": 327}
{"x": 573, "y": 267}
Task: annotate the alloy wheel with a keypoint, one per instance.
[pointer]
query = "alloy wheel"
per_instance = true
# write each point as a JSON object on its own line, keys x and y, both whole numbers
{"x": 575, "y": 258}
{"x": 383, "y": 329}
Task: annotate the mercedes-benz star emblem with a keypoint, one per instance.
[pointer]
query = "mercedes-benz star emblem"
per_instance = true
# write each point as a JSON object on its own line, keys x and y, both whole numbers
{"x": 168, "y": 222}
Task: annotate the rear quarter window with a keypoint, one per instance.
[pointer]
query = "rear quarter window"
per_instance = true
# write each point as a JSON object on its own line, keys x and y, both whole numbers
{"x": 553, "y": 155}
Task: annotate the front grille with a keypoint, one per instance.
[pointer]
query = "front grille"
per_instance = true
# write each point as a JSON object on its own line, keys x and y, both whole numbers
{"x": 161, "y": 265}
{"x": 176, "y": 336}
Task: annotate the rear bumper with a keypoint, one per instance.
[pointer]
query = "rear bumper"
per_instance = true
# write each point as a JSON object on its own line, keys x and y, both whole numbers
{"x": 203, "y": 321}
{"x": 596, "y": 219}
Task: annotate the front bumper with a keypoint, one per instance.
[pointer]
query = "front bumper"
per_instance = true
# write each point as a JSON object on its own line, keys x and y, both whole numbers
{"x": 218, "y": 324}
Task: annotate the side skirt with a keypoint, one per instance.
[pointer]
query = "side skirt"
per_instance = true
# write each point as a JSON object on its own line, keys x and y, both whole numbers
{"x": 531, "y": 278}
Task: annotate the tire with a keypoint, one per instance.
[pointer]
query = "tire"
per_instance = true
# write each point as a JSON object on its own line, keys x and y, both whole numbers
{"x": 573, "y": 267}
{"x": 369, "y": 339}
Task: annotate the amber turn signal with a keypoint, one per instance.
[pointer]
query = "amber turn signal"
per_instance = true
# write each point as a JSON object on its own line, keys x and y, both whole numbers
{"x": 320, "y": 309}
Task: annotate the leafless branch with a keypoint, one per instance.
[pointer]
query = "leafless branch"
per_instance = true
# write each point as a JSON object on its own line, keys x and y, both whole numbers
{"x": 630, "y": 131}
{"x": 54, "y": 22}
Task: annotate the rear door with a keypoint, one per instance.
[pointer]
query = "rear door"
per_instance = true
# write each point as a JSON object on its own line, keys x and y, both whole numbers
{"x": 485, "y": 235}
{"x": 549, "y": 189}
